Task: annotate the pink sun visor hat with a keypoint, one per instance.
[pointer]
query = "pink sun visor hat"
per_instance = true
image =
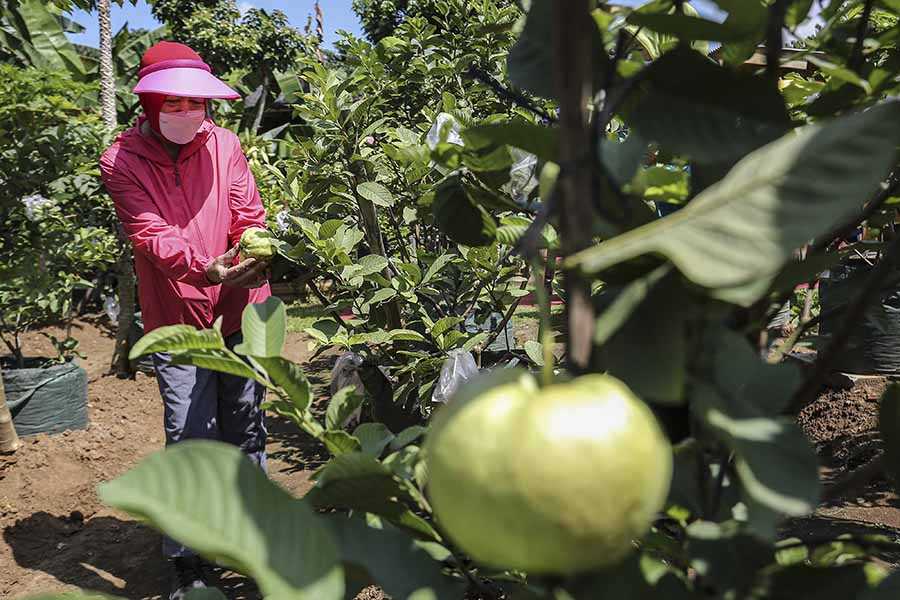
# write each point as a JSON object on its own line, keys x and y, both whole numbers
{"x": 186, "y": 77}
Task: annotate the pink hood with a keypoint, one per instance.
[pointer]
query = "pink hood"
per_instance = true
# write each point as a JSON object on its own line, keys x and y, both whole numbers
{"x": 179, "y": 216}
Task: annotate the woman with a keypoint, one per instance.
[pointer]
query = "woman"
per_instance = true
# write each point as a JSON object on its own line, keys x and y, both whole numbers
{"x": 184, "y": 194}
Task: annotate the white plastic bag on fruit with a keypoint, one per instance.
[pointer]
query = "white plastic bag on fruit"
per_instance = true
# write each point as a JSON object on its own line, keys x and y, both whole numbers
{"x": 522, "y": 180}
{"x": 456, "y": 370}
{"x": 434, "y": 134}
{"x": 346, "y": 373}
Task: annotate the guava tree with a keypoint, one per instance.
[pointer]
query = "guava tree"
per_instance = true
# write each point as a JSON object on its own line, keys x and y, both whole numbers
{"x": 661, "y": 313}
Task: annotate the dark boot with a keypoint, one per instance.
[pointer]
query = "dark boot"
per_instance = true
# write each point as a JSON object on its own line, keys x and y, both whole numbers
{"x": 187, "y": 574}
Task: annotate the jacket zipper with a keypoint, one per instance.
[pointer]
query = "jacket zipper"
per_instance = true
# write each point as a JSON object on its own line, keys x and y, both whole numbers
{"x": 177, "y": 176}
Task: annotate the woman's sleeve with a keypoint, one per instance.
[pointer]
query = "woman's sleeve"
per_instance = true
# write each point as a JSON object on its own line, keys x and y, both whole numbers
{"x": 149, "y": 233}
{"x": 246, "y": 207}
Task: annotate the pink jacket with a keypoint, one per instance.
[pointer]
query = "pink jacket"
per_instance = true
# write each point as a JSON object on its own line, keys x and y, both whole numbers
{"x": 179, "y": 216}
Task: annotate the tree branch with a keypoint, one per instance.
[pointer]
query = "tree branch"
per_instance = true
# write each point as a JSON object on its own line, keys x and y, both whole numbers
{"x": 774, "y": 37}
{"x": 856, "y": 56}
{"x": 510, "y": 95}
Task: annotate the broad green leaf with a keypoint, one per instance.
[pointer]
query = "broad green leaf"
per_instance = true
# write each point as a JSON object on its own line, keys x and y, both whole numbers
{"x": 460, "y": 217}
{"x": 530, "y": 62}
{"x": 475, "y": 340}
{"x": 831, "y": 583}
{"x": 405, "y": 335}
{"x": 439, "y": 263}
{"x": 223, "y": 361}
{"x": 889, "y": 426}
{"x": 535, "y": 351}
{"x": 212, "y": 498}
{"x": 622, "y": 159}
{"x": 742, "y": 404}
{"x": 376, "y": 193}
{"x": 692, "y": 106}
{"x": 539, "y": 140}
{"x": 625, "y": 303}
{"x": 369, "y": 265}
{"x": 373, "y": 438}
{"x": 686, "y": 27}
{"x": 392, "y": 560}
{"x": 342, "y": 405}
{"x": 444, "y": 324}
{"x": 359, "y": 482}
{"x": 263, "y": 327}
{"x": 888, "y": 589}
{"x": 408, "y": 436}
{"x": 177, "y": 338}
{"x": 735, "y": 236}
{"x": 647, "y": 318}
{"x": 339, "y": 442}
{"x": 288, "y": 376}
{"x": 382, "y": 295}
{"x": 661, "y": 184}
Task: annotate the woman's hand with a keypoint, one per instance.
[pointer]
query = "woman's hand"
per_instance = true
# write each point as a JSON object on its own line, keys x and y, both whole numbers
{"x": 250, "y": 273}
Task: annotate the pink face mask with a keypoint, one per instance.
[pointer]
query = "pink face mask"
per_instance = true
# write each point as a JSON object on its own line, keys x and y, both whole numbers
{"x": 181, "y": 127}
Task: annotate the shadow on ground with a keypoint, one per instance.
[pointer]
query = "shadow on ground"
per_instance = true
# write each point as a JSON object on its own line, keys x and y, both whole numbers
{"x": 103, "y": 554}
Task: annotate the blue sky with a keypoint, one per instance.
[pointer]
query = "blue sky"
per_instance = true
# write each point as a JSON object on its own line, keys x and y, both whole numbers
{"x": 338, "y": 15}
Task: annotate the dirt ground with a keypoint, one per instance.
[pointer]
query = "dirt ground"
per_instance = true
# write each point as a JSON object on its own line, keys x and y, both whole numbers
{"x": 56, "y": 535}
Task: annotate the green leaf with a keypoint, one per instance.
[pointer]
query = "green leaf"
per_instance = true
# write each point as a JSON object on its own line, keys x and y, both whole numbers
{"x": 212, "y": 498}
{"x": 369, "y": 265}
{"x": 382, "y": 295}
{"x": 647, "y": 318}
{"x": 802, "y": 582}
{"x": 176, "y": 338}
{"x": 735, "y": 236}
{"x": 530, "y": 62}
{"x": 223, "y": 361}
{"x": 692, "y": 106}
{"x": 376, "y": 193}
{"x": 535, "y": 351}
{"x": 889, "y": 425}
{"x": 340, "y": 442}
{"x": 356, "y": 481}
{"x": 686, "y": 27}
{"x": 405, "y": 335}
{"x": 209, "y": 593}
{"x": 263, "y": 327}
{"x": 391, "y": 560}
{"x": 741, "y": 404}
{"x": 373, "y": 438}
{"x": 460, "y": 217}
{"x": 288, "y": 376}
{"x": 408, "y": 436}
{"x": 439, "y": 263}
{"x": 888, "y": 589}
{"x": 539, "y": 140}
{"x": 342, "y": 405}
{"x": 444, "y": 324}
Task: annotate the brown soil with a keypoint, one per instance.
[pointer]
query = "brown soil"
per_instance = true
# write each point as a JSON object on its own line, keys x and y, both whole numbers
{"x": 843, "y": 425}
{"x": 58, "y": 536}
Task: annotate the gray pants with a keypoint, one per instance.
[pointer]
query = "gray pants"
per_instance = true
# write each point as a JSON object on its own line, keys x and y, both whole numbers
{"x": 204, "y": 404}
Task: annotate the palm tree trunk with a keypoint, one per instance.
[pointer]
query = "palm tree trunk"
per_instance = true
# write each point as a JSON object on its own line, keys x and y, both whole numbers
{"x": 120, "y": 363}
{"x": 9, "y": 441}
{"x": 107, "y": 76}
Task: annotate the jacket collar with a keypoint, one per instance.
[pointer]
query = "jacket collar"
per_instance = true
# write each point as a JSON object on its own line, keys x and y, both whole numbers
{"x": 149, "y": 147}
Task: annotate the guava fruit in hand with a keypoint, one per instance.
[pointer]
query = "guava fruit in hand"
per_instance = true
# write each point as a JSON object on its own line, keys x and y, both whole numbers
{"x": 556, "y": 480}
{"x": 257, "y": 243}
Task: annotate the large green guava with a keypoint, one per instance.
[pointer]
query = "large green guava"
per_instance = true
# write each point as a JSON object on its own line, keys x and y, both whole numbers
{"x": 256, "y": 243}
{"x": 550, "y": 481}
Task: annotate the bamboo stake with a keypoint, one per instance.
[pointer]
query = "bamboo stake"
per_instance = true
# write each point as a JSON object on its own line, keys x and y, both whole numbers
{"x": 9, "y": 440}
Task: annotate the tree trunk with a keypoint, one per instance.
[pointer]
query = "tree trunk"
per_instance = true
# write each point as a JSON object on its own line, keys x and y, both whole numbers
{"x": 126, "y": 281}
{"x": 261, "y": 103}
{"x": 107, "y": 75}
{"x": 121, "y": 366}
{"x": 9, "y": 441}
{"x": 376, "y": 245}
{"x": 572, "y": 42}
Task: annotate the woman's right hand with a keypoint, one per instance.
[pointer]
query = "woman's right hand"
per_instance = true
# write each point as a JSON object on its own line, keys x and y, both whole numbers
{"x": 250, "y": 273}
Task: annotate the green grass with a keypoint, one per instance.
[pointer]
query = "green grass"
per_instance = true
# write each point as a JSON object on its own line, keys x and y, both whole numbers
{"x": 302, "y": 315}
